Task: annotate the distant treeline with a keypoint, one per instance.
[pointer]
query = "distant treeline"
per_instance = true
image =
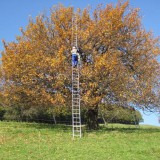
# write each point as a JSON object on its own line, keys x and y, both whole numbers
{"x": 107, "y": 114}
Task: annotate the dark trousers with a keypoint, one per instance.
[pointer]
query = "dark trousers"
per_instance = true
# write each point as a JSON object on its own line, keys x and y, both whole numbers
{"x": 74, "y": 60}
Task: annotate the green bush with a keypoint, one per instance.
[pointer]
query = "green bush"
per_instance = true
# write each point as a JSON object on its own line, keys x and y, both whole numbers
{"x": 120, "y": 114}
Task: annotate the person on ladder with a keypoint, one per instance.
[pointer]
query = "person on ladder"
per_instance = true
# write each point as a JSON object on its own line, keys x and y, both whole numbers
{"x": 75, "y": 57}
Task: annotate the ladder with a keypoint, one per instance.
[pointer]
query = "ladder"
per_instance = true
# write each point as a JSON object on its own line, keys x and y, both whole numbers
{"x": 76, "y": 113}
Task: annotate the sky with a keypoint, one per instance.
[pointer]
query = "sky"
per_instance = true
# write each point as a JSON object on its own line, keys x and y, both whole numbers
{"x": 15, "y": 14}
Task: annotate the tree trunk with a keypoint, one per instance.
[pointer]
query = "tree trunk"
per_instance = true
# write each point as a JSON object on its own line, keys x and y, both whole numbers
{"x": 92, "y": 118}
{"x": 54, "y": 118}
{"x": 103, "y": 117}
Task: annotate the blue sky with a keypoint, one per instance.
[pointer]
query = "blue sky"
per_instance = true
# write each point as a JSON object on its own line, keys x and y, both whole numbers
{"x": 15, "y": 14}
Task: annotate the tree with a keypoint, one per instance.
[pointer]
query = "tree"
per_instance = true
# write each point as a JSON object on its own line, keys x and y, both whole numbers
{"x": 118, "y": 54}
{"x": 120, "y": 114}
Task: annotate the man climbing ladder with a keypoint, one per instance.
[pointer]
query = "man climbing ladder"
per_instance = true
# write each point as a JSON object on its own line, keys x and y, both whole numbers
{"x": 75, "y": 57}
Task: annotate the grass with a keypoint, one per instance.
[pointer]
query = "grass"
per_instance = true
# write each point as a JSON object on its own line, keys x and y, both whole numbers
{"x": 32, "y": 141}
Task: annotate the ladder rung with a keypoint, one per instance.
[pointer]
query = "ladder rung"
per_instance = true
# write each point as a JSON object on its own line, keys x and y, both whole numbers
{"x": 77, "y": 130}
{"x": 76, "y": 125}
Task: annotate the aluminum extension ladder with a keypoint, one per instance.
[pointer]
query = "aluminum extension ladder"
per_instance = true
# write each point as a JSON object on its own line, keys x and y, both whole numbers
{"x": 76, "y": 112}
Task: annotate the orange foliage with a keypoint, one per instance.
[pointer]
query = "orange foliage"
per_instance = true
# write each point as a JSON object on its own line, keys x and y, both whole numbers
{"x": 37, "y": 68}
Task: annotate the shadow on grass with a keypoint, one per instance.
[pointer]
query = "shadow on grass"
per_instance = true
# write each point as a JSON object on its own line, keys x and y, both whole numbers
{"x": 68, "y": 128}
{"x": 129, "y": 129}
{"x": 33, "y": 125}
{"x": 125, "y": 129}
{"x": 57, "y": 127}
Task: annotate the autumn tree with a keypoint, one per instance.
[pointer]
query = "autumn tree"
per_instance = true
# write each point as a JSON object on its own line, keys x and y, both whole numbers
{"x": 119, "y": 61}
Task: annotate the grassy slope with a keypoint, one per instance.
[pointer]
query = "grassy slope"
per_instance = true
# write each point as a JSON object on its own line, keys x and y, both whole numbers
{"x": 31, "y": 141}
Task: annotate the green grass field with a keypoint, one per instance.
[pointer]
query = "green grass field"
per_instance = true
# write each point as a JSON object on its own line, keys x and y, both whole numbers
{"x": 31, "y": 141}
